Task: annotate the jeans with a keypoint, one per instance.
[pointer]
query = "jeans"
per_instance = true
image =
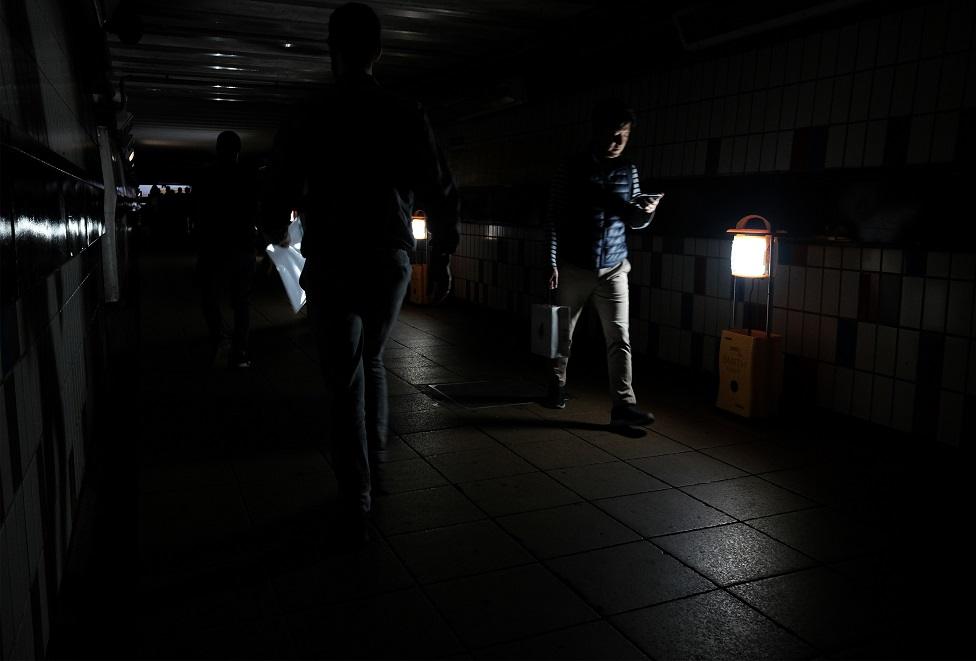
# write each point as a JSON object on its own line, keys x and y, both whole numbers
{"x": 608, "y": 289}
{"x": 352, "y": 310}
{"x": 235, "y": 272}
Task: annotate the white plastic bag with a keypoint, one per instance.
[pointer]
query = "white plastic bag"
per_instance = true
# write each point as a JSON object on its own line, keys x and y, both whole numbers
{"x": 289, "y": 262}
{"x": 550, "y": 330}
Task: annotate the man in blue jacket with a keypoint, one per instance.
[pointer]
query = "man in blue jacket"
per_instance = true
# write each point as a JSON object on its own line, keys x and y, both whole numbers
{"x": 595, "y": 198}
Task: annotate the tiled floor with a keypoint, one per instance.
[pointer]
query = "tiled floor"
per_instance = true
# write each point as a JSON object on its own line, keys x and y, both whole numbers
{"x": 518, "y": 531}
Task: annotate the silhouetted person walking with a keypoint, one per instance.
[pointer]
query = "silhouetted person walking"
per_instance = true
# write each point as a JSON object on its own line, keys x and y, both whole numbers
{"x": 226, "y": 210}
{"x": 595, "y": 197}
{"x": 356, "y": 166}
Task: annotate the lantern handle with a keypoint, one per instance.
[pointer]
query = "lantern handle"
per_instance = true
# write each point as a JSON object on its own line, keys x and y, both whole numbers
{"x": 744, "y": 221}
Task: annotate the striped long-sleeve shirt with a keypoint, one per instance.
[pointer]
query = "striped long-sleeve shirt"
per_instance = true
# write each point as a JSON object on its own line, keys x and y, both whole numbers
{"x": 589, "y": 211}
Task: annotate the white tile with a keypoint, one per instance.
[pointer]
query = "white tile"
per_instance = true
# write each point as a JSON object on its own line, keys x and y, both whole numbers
{"x": 952, "y": 82}
{"x": 784, "y": 150}
{"x": 812, "y": 290}
{"x": 944, "y": 137}
{"x": 861, "y": 397}
{"x": 860, "y": 96}
{"x": 934, "y": 306}
{"x": 836, "y": 137}
{"x": 891, "y": 260}
{"x": 951, "y": 410}
{"x": 843, "y": 389}
{"x": 881, "y": 401}
{"x": 794, "y": 333}
{"x": 906, "y": 366}
{"x": 903, "y": 406}
{"x": 937, "y": 264}
{"x": 960, "y": 308}
{"x": 886, "y": 350}
{"x": 828, "y": 339}
{"x": 833, "y": 257}
{"x": 920, "y": 140}
{"x": 866, "y": 338}
{"x": 825, "y": 385}
{"x": 954, "y": 363}
{"x": 854, "y": 147}
{"x": 964, "y": 265}
{"x": 911, "y": 301}
{"x": 874, "y": 143}
{"x": 797, "y": 287}
{"x": 698, "y": 314}
{"x": 881, "y": 93}
{"x": 811, "y": 335}
{"x": 871, "y": 259}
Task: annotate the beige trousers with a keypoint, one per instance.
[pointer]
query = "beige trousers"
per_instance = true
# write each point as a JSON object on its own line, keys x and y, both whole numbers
{"x": 608, "y": 290}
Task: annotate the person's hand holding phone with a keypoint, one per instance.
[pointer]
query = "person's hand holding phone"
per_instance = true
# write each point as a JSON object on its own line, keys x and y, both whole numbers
{"x": 647, "y": 202}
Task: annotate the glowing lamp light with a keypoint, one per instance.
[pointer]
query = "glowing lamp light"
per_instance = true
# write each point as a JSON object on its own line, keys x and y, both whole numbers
{"x": 751, "y": 248}
{"x": 418, "y": 223}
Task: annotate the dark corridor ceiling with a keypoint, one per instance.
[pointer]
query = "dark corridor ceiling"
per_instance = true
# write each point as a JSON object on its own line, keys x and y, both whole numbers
{"x": 201, "y": 66}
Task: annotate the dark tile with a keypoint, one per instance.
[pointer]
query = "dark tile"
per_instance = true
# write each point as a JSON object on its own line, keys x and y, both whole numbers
{"x": 519, "y": 493}
{"x": 819, "y": 605}
{"x": 823, "y": 534}
{"x": 709, "y": 626}
{"x": 662, "y": 512}
{"x": 449, "y": 440}
{"x": 507, "y": 605}
{"x": 627, "y": 577}
{"x": 567, "y": 529}
{"x": 460, "y": 550}
{"x": 607, "y": 480}
{"x": 624, "y": 447}
{"x": 930, "y": 359}
{"x": 409, "y": 475}
{"x": 312, "y": 581}
{"x": 747, "y": 497}
{"x": 733, "y": 553}
{"x": 417, "y": 421}
{"x": 846, "y": 342}
{"x": 563, "y": 453}
{"x": 593, "y": 640}
{"x": 401, "y": 625}
{"x": 418, "y": 510}
{"x": 687, "y": 468}
{"x": 760, "y": 457}
{"x": 480, "y": 464}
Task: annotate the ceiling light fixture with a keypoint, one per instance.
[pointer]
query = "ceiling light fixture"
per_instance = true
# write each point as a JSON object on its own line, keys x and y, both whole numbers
{"x": 288, "y": 44}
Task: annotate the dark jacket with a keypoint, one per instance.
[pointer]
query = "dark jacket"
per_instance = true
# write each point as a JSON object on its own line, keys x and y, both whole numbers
{"x": 356, "y": 163}
{"x": 589, "y": 211}
{"x": 225, "y": 209}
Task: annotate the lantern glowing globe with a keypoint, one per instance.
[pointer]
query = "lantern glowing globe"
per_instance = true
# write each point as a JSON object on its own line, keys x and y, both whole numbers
{"x": 418, "y": 224}
{"x": 750, "y": 255}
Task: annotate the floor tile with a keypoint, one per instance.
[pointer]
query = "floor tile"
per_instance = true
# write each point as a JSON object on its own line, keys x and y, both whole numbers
{"x": 709, "y": 626}
{"x": 564, "y": 453}
{"x": 760, "y": 457}
{"x": 820, "y": 606}
{"x": 449, "y": 440}
{"x": 518, "y": 493}
{"x": 733, "y": 553}
{"x": 822, "y": 533}
{"x": 593, "y": 640}
{"x": 623, "y": 447}
{"x": 567, "y": 529}
{"x": 459, "y": 550}
{"x": 662, "y": 512}
{"x": 628, "y": 577}
{"x": 418, "y": 510}
{"x": 417, "y": 421}
{"x": 747, "y": 497}
{"x": 480, "y": 464}
{"x": 686, "y": 468}
{"x": 409, "y": 475}
{"x": 607, "y": 480}
{"x": 395, "y": 625}
{"x": 532, "y": 431}
{"x": 507, "y": 605}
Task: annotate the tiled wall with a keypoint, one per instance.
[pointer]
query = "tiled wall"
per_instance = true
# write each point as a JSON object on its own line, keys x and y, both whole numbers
{"x": 880, "y": 329}
{"x": 51, "y": 312}
{"x": 882, "y": 334}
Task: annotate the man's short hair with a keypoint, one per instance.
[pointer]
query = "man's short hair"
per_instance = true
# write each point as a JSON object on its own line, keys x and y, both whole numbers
{"x": 611, "y": 114}
{"x": 228, "y": 142}
{"x": 354, "y": 31}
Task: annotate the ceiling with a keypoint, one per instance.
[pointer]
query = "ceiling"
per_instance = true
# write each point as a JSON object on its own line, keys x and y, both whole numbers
{"x": 201, "y": 66}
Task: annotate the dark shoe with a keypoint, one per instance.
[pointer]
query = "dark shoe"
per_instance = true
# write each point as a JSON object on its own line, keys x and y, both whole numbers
{"x": 628, "y": 415}
{"x": 556, "y": 397}
{"x": 239, "y": 360}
